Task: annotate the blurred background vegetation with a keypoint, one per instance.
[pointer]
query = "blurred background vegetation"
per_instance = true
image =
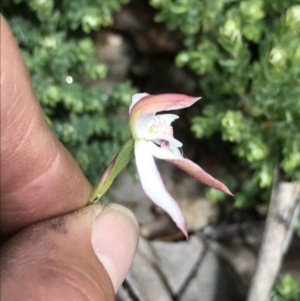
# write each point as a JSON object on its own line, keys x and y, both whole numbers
{"x": 242, "y": 57}
{"x": 287, "y": 290}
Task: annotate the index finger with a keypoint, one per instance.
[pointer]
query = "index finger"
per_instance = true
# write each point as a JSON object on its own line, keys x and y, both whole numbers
{"x": 39, "y": 178}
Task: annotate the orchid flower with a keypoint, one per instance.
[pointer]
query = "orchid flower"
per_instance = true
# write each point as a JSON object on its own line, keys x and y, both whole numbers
{"x": 152, "y": 136}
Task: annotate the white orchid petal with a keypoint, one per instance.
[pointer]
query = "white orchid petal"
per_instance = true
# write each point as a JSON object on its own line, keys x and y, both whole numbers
{"x": 174, "y": 143}
{"x": 177, "y": 152}
{"x": 136, "y": 98}
{"x": 165, "y": 118}
{"x": 153, "y": 185}
{"x": 188, "y": 166}
{"x": 140, "y": 126}
{"x": 157, "y": 138}
{"x": 164, "y": 153}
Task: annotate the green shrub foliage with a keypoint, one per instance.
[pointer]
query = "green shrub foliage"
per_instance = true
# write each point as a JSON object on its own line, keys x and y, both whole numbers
{"x": 60, "y": 57}
{"x": 287, "y": 290}
{"x": 245, "y": 56}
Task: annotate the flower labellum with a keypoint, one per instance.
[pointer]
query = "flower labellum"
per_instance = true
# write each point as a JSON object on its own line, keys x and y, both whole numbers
{"x": 153, "y": 137}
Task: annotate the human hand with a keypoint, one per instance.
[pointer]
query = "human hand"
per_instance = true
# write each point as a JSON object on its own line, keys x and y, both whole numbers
{"x": 50, "y": 251}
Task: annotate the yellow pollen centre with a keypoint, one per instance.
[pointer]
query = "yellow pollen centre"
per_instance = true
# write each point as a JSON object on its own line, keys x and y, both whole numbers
{"x": 160, "y": 128}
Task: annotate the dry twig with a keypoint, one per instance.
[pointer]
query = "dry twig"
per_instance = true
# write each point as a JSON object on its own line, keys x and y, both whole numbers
{"x": 279, "y": 228}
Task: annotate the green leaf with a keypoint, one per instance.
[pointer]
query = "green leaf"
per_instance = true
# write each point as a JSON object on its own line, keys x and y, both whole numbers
{"x": 287, "y": 290}
{"x": 115, "y": 167}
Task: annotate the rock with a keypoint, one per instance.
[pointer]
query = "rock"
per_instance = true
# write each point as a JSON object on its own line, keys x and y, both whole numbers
{"x": 291, "y": 262}
{"x": 128, "y": 192}
{"x": 116, "y": 51}
{"x": 144, "y": 280}
{"x": 123, "y": 295}
{"x": 186, "y": 270}
{"x": 198, "y": 210}
{"x": 137, "y": 20}
{"x": 162, "y": 228}
{"x": 177, "y": 260}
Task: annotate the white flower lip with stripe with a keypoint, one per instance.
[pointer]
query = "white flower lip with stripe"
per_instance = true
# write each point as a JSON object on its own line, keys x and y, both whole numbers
{"x": 153, "y": 137}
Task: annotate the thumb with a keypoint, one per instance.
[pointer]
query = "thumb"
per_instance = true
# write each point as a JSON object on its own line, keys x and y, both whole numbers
{"x": 84, "y": 255}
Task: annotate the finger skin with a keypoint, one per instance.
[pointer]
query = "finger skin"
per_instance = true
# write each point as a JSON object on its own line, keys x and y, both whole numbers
{"x": 55, "y": 259}
{"x": 39, "y": 178}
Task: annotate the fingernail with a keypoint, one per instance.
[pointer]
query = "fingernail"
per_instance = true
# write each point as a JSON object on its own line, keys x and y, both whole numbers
{"x": 114, "y": 240}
